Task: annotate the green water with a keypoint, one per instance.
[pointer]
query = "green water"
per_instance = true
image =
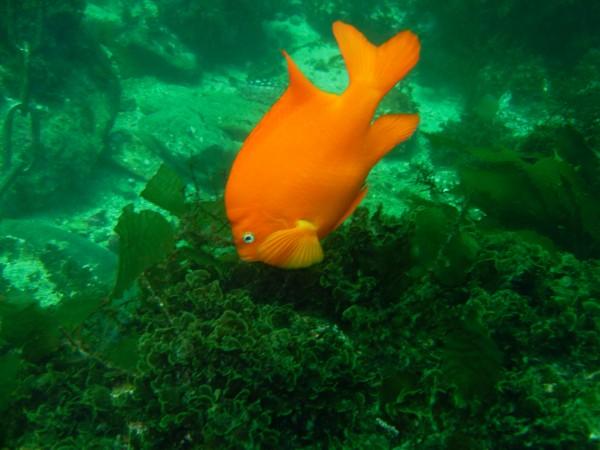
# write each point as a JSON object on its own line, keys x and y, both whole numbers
{"x": 458, "y": 307}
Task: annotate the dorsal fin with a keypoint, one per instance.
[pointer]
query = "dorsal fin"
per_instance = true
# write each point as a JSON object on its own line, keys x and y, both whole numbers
{"x": 300, "y": 86}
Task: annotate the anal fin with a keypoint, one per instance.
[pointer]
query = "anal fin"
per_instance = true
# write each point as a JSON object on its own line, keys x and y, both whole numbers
{"x": 387, "y": 132}
{"x": 359, "y": 198}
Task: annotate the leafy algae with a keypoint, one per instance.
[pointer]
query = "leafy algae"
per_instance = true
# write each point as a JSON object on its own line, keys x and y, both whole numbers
{"x": 538, "y": 192}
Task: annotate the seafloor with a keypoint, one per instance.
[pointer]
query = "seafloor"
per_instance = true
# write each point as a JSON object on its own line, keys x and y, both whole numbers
{"x": 459, "y": 307}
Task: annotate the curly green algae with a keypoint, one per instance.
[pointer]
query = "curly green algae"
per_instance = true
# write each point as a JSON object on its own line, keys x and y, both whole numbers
{"x": 355, "y": 353}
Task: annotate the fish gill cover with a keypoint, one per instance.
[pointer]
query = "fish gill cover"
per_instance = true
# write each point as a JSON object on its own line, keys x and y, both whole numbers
{"x": 464, "y": 313}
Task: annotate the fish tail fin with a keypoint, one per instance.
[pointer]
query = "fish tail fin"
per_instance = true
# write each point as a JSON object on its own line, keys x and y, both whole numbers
{"x": 376, "y": 67}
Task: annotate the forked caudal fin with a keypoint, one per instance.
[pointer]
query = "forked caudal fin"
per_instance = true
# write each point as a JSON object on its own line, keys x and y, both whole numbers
{"x": 377, "y": 67}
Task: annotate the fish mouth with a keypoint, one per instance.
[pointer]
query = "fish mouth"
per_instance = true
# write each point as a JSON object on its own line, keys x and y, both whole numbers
{"x": 245, "y": 255}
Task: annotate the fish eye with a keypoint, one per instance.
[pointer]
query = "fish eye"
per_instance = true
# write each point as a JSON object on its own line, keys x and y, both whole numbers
{"x": 248, "y": 237}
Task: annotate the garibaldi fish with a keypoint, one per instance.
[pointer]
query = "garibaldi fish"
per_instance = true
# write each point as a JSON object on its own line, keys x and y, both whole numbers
{"x": 301, "y": 172}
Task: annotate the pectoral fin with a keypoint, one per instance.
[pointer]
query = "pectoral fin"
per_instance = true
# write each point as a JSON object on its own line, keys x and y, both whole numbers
{"x": 292, "y": 248}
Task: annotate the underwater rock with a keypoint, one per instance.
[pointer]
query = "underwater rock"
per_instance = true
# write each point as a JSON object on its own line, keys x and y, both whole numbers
{"x": 193, "y": 130}
{"x": 220, "y": 31}
{"x": 42, "y": 262}
{"x": 139, "y": 45}
{"x": 64, "y": 87}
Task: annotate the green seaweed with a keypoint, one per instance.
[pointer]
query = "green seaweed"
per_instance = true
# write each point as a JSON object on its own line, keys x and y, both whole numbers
{"x": 11, "y": 365}
{"x": 246, "y": 372}
{"x": 144, "y": 239}
{"x": 123, "y": 353}
{"x": 37, "y": 331}
{"x": 537, "y": 192}
{"x": 472, "y": 362}
{"x": 30, "y": 329}
{"x": 357, "y": 352}
{"x": 166, "y": 190}
{"x": 441, "y": 244}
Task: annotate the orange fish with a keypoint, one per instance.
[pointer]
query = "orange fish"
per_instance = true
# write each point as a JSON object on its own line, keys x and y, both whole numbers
{"x": 302, "y": 170}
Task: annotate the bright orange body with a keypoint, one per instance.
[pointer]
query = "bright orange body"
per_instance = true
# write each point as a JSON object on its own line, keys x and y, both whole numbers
{"x": 302, "y": 170}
